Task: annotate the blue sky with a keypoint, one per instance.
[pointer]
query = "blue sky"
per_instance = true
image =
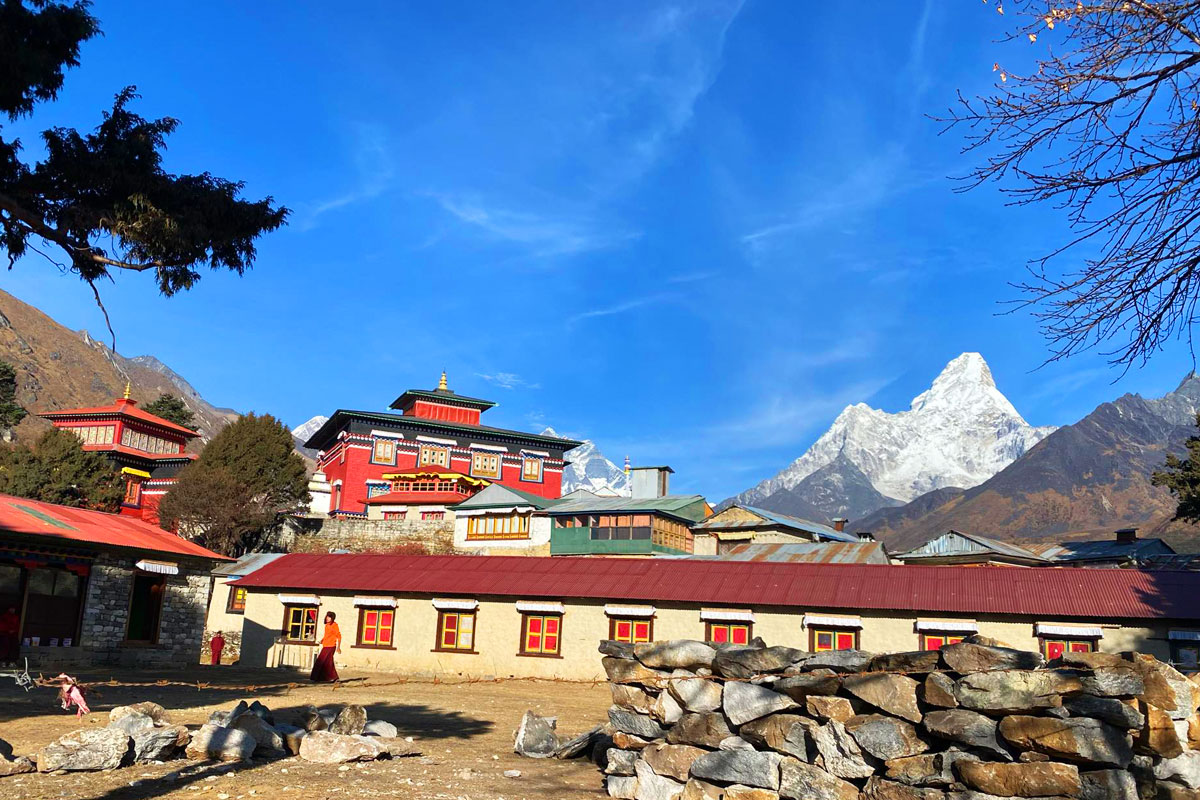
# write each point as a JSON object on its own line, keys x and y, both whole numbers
{"x": 692, "y": 232}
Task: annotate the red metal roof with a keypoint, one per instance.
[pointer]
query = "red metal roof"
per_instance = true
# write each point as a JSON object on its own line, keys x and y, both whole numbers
{"x": 125, "y": 407}
{"x": 1046, "y": 592}
{"x": 133, "y": 451}
{"x": 417, "y": 498}
{"x": 35, "y": 518}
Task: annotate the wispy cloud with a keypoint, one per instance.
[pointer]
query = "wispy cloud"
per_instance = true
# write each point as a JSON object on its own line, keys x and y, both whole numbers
{"x": 544, "y": 234}
{"x": 781, "y": 418}
{"x": 508, "y": 380}
{"x": 370, "y": 154}
{"x": 619, "y": 308}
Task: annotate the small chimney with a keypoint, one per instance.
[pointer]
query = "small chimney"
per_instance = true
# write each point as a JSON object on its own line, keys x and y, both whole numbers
{"x": 1127, "y": 535}
{"x": 839, "y": 524}
{"x": 649, "y": 482}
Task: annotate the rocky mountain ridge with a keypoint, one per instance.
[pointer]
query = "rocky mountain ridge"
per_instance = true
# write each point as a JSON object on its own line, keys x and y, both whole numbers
{"x": 589, "y": 469}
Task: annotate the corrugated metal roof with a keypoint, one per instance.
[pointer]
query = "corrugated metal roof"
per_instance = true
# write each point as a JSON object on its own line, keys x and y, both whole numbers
{"x": 1099, "y": 549}
{"x": 34, "y": 518}
{"x": 796, "y": 523}
{"x": 937, "y": 547}
{"x": 1189, "y": 561}
{"x": 1052, "y": 593}
{"x": 676, "y": 504}
{"x": 246, "y": 564}
{"x": 806, "y": 552}
{"x": 497, "y": 495}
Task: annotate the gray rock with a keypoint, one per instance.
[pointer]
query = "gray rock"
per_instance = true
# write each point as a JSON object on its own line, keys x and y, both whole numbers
{"x": 1015, "y": 691}
{"x": 674, "y": 654}
{"x": 837, "y": 661}
{"x": 672, "y": 760}
{"x": 895, "y": 694}
{"x": 241, "y": 708}
{"x": 1081, "y": 741}
{"x": 967, "y": 657}
{"x": 1120, "y": 681}
{"x": 379, "y": 727}
{"x": 152, "y": 710}
{"x": 621, "y": 787}
{"x": 735, "y": 743}
{"x": 620, "y": 762}
{"x": 632, "y": 697}
{"x": 312, "y": 719}
{"x": 87, "y": 750}
{"x": 1107, "y": 709}
{"x": 267, "y": 740}
{"x": 785, "y": 733}
{"x": 219, "y": 718}
{"x": 704, "y": 730}
{"x": 15, "y": 766}
{"x": 938, "y": 690}
{"x": 746, "y": 662}
{"x": 535, "y": 736}
{"x": 1107, "y": 784}
{"x": 132, "y": 723}
{"x": 885, "y": 737}
{"x": 696, "y": 694}
{"x": 262, "y": 712}
{"x": 579, "y": 745}
{"x": 666, "y": 708}
{"x": 292, "y": 736}
{"x": 1183, "y": 769}
{"x": 621, "y": 670}
{"x": 800, "y": 781}
{"x": 1166, "y": 687}
{"x": 746, "y": 701}
{"x": 213, "y": 742}
{"x": 878, "y": 788}
{"x": 391, "y": 746}
{"x": 841, "y": 754}
{"x": 637, "y": 724}
{"x": 747, "y": 767}
{"x": 652, "y": 786}
{"x": 615, "y": 649}
{"x": 350, "y": 721}
{"x": 159, "y": 743}
{"x": 927, "y": 769}
{"x": 799, "y": 687}
{"x": 326, "y": 747}
{"x": 914, "y": 662}
{"x": 965, "y": 727}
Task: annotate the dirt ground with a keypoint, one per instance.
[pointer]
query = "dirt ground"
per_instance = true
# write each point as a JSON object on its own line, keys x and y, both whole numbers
{"x": 464, "y": 733}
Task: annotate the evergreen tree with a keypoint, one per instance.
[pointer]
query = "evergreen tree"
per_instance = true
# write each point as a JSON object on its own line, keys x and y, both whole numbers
{"x": 10, "y": 412}
{"x": 1182, "y": 477}
{"x": 56, "y": 469}
{"x": 172, "y": 409}
{"x": 246, "y": 481}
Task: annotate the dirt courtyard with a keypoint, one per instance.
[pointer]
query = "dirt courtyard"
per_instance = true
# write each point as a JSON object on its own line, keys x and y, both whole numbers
{"x": 464, "y": 733}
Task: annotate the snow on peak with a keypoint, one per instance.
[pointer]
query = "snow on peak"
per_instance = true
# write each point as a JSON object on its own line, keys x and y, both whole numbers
{"x": 587, "y": 468}
{"x": 959, "y": 432}
{"x": 303, "y": 432}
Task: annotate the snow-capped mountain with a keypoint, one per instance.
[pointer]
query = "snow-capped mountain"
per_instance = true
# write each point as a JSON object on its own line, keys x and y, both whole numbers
{"x": 302, "y": 432}
{"x": 959, "y": 432}
{"x": 587, "y": 468}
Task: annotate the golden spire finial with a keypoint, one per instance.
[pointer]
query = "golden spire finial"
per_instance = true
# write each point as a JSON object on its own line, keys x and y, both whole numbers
{"x": 128, "y": 389}
{"x": 442, "y": 387}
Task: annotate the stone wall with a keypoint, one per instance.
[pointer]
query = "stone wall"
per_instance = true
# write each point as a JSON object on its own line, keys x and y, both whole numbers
{"x": 373, "y": 535}
{"x": 975, "y": 721}
{"x": 106, "y": 614}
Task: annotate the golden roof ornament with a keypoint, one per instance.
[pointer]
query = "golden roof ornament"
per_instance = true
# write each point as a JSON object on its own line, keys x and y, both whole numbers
{"x": 128, "y": 389}
{"x": 442, "y": 387}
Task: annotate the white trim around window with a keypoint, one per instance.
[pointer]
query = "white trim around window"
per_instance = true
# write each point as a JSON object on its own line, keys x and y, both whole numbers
{"x": 489, "y": 447}
{"x": 299, "y": 599}
{"x": 454, "y": 604}
{"x": 726, "y": 615}
{"x": 630, "y": 611}
{"x": 436, "y": 440}
{"x": 1042, "y": 629}
{"x": 158, "y": 567}
{"x": 530, "y": 607}
{"x": 375, "y": 602}
{"x": 833, "y": 622}
{"x": 949, "y": 626}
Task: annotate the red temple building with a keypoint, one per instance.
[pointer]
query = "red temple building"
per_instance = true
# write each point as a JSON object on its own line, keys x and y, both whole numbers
{"x": 418, "y": 463}
{"x": 148, "y": 449}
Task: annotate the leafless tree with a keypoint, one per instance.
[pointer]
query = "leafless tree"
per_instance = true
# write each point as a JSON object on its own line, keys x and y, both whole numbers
{"x": 1105, "y": 124}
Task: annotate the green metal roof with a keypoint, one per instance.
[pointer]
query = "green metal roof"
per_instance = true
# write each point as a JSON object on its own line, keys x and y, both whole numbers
{"x": 326, "y": 432}
{"x": 445, "y": 396}
{"x": 688, "y": 507}
{"x": 500, "y": 496}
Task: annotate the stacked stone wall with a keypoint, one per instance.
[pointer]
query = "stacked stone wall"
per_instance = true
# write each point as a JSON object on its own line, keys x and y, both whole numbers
{"x": 974, "y": 721}
{"x": 374, "y": 535}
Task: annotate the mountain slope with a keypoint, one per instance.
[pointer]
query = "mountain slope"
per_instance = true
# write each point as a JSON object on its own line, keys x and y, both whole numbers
{"x": 60, "y": 368}
{"x": 587, "y": 468}
{"x": 1086, "y": 478}
{"x": 958, "y": 433}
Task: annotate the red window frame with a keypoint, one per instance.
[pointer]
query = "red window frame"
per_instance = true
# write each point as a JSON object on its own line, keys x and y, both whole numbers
{"x": 825, "y": 638}
{"x": 376, "y": 627}
{"x": 936, "y": 641}
{"x": 731, "y": 632}
{"x": 541, "y": 635}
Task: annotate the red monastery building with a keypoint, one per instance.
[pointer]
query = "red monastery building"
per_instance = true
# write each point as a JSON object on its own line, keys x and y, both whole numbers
{"x": 433, "y": 454}
{"x": 148, "y": 449}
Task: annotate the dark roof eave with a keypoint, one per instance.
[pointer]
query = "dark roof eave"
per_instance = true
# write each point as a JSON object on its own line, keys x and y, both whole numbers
{"x": 328, "y": 431}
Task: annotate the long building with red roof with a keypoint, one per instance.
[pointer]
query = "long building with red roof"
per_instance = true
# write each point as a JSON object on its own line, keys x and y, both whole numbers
{"x": 501, "y": 616}
{"x": 85, "y": 587}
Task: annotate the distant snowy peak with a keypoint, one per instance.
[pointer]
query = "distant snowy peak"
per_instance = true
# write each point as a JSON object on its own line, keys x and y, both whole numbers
{"x": 588, "y": 469}
{"x": 303, "y": 432}
{"x": 959, "y": 432}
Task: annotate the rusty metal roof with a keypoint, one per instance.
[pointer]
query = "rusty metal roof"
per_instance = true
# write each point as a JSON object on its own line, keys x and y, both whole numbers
{"x": 806, "y": 552}
{"x": 1049, "y": 593}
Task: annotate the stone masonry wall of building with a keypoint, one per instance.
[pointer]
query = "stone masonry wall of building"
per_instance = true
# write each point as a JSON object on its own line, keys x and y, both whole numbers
{"x": 106, "y": 614}
{"x": 375, "y": 535}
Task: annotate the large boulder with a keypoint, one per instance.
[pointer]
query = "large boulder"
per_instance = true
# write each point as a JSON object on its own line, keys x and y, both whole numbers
{"x": 652, "y": 786}
{"x": 703, "y": 730}
{"x": 217, "y": 743}
{"x": 785, "y": 733}
{"x": 1107, "y": 709}
{"x": 267, "y": 740}
{"x": 746, "y": 662}
{"x": 292, "y": 736}
{"x": 747, "y": 767}
{"x": 1082, "y": 740}
{"x": 666, "y": 708}
{"x": 800, "y": 781}
{"x": 620, "y": 786}
{"x": 632, "y": 697}
{"x": 1107, "y": 784}
{"x": 833, "y": 660}
{"x": 350, "y": 721}
{"x": 154, "y": 711}
{"x": 1120, "y": 680}
{"x": 829, "y": 708}
{"x": 672, "y": 760}
{"x": 1158, "y": 735}
{"x": 1015, "y": 691}
{"x": 615, "y": 649}
{"x": 916, "y": 661}
{"x": 87, "y": 750}
{"x": 262, "y": 712}
{"x": 379, "y": 727}
{"x": 895, "y": 694}
{"x": 938, "y": 690}
{"x": 885, "y": 737}
{"x": 675, "y": 654}
{"x": 535, "y": 736}
{"x": 840, "y": 753}
{"x": 159, "y": 743}
{"x": 621, "y": 670}
{"x": 15, "y": 766}
{"x": 317, "y": 719}
{"x": 635, "y": 723}
{"x": 1184, "y": 768}
{"x": 746, "y": 701}
{"x": 965, "y": 727}
{"x": 620, "y": 762}
{"x": 327, "y": 747}
{"x": 695, "y": 694}
{"x": 132, "y": 723}
{"x": 1166, "y": 687}
{"x": 967, "y": 657}
{"x": 799, "y": 687}
{"x": 1044, "y": 779}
